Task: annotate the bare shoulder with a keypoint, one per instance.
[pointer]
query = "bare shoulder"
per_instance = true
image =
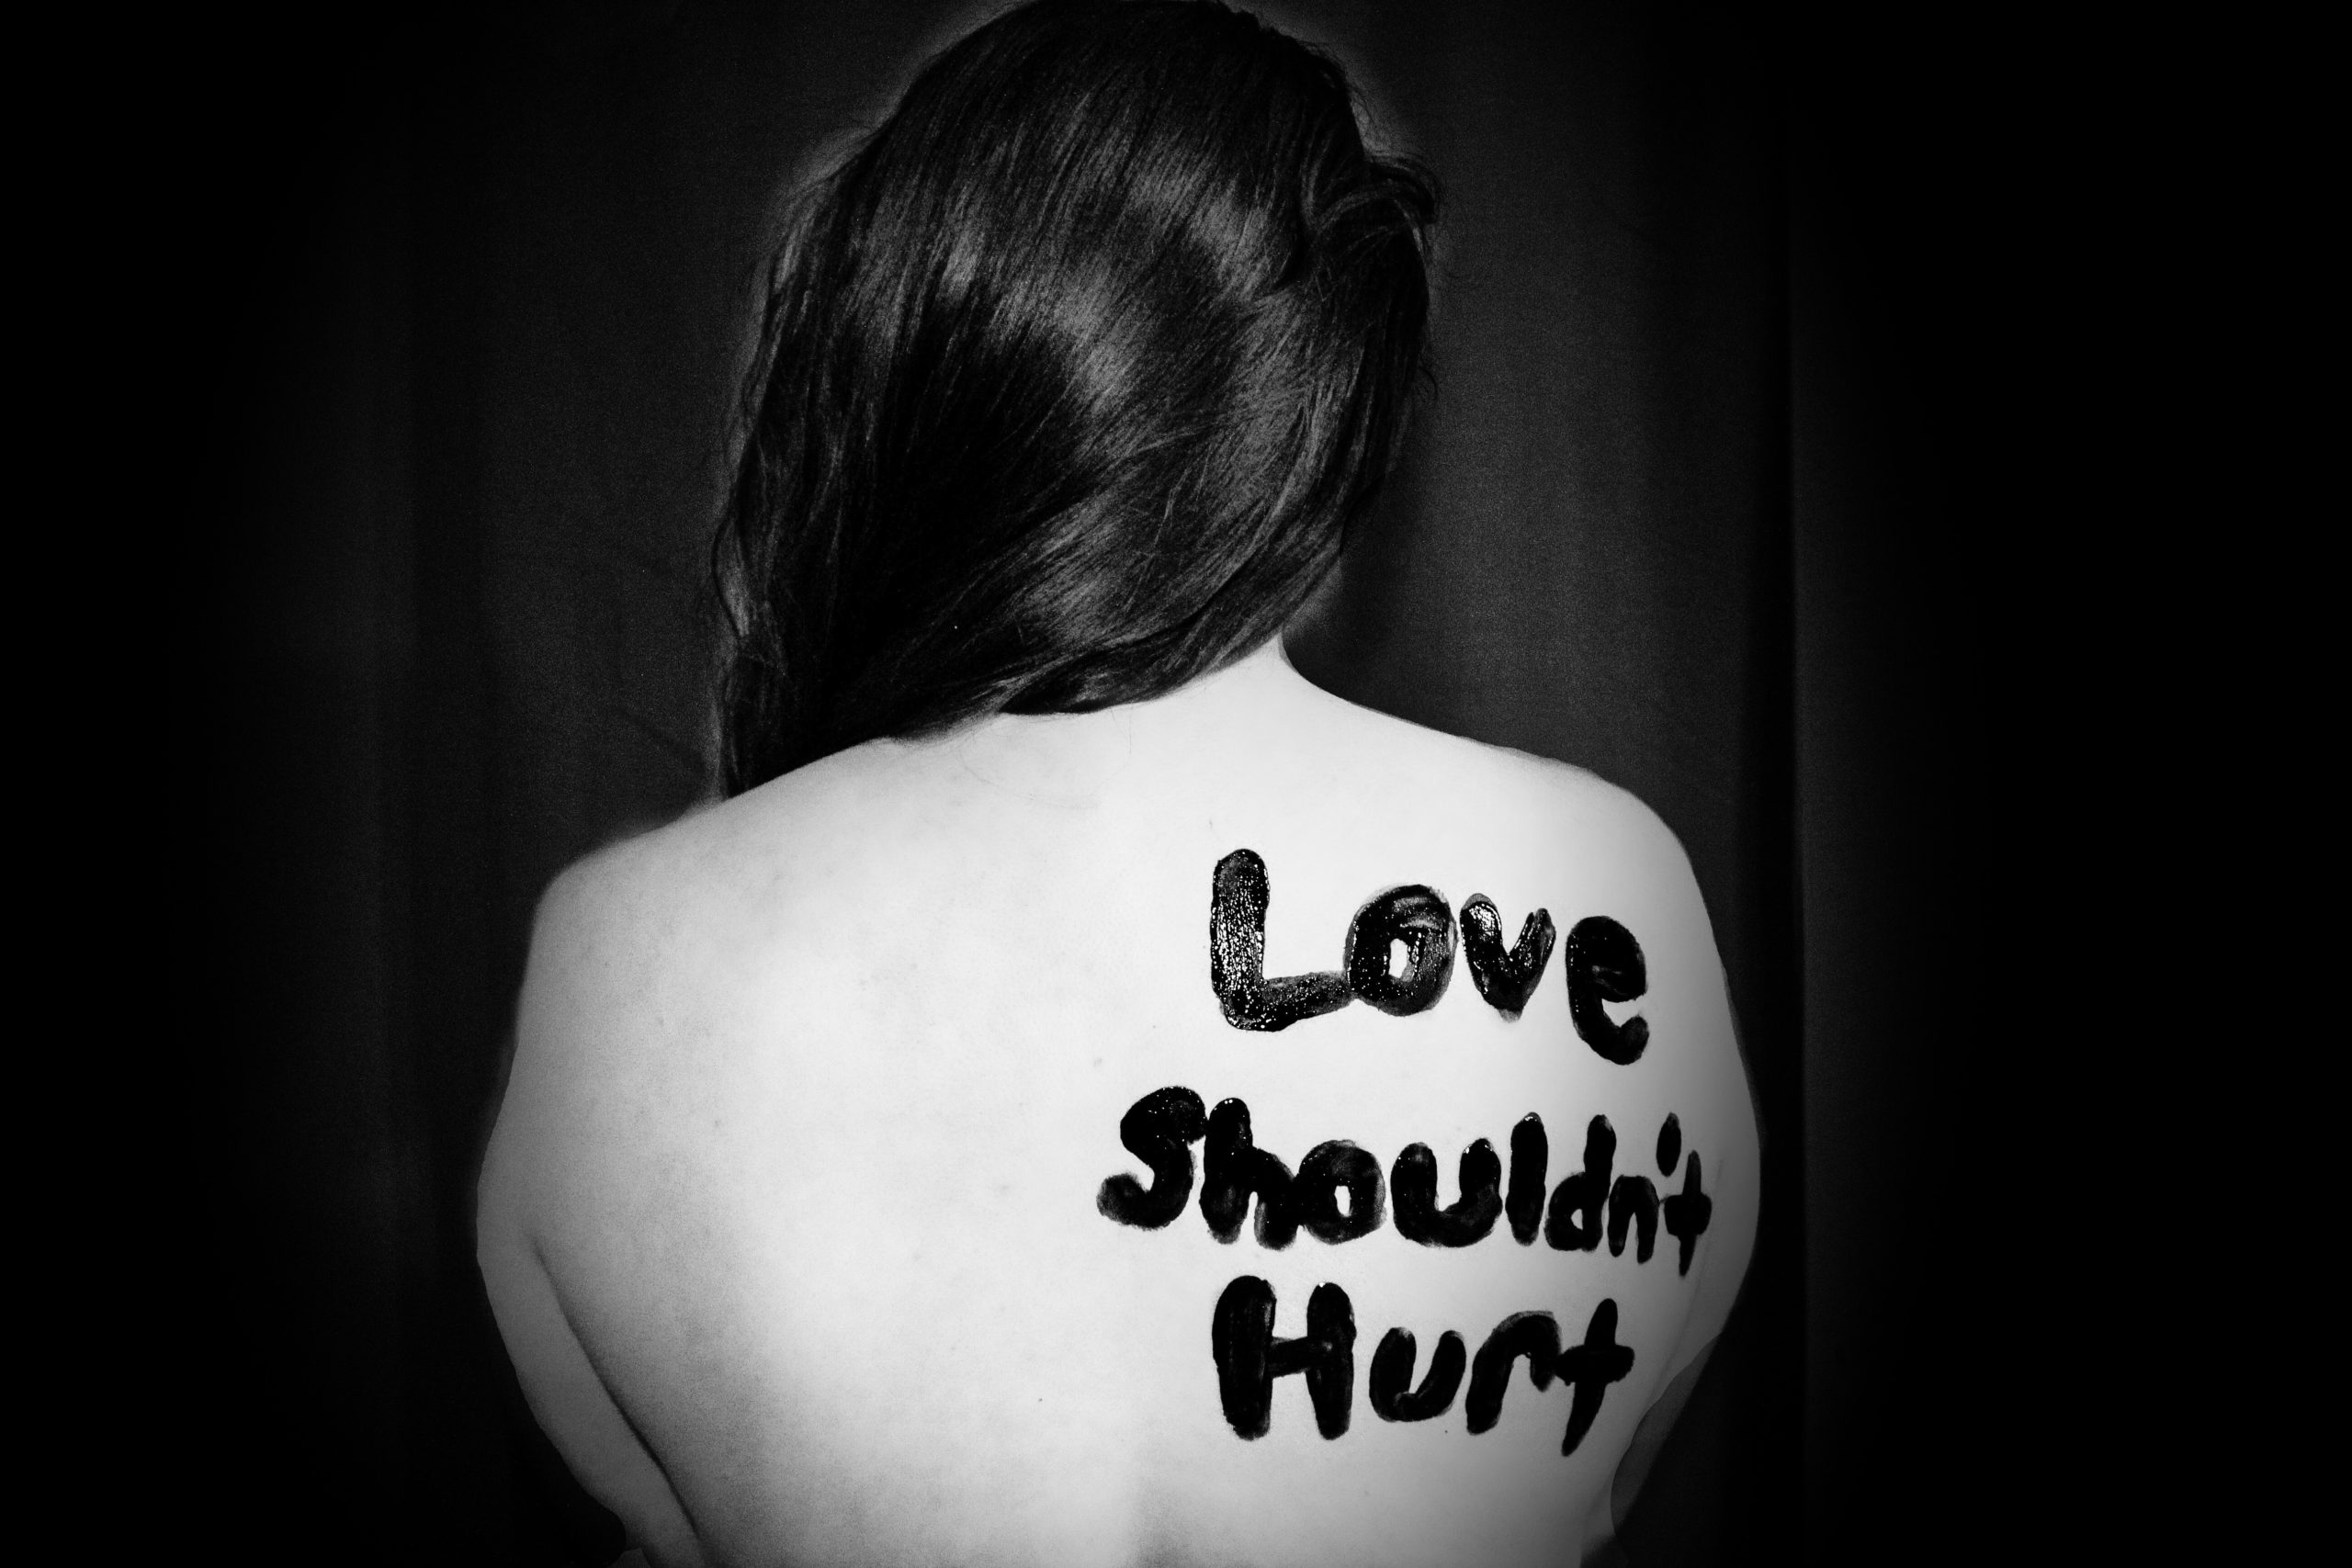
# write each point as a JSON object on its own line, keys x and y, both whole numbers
{"x": 644, "y": 958}
{"x": 1550, "y": 804}
{"x": 601, "y": 1002}
{"x": 637, "y": 946}
{"x": 1614, "y": 873}
{"x": 619, "y": 951}
{"x": 597, "y": 1219}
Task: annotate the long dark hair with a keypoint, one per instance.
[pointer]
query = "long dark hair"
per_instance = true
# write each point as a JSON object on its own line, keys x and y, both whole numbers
{"x": 1074, "y": 373}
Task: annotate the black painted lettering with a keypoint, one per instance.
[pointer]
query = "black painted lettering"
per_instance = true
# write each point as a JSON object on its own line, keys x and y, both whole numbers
{"x": 1419, "y": 917}
{"x": 1533, "y": 1335}
{"x": 1632, "y": 1200}
{"x": 1160, "y": 1130}
{"x": 1588, "y": 1369}
{"x": 1604, "y": 965}
{"x": 1393, "y": 1398}
{"x": 1327, "y": 1168}
{"x": 1687, "y": 1212}
{"x": 1581, "y": 1201}
{"x": 1238, "y": 894}
{"x": 1237, "y": 1167}
{"x": 1413, "y": 1184}
{"x": 1507, "y": 979}
{"x": 1249, "y": 1357}
{"x": 1670, "y": 1145}
{"x": 1530, "y": 1154}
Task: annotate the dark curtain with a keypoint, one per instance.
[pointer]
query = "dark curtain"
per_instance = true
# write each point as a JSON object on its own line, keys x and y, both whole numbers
{"x": 1697, "y": 506}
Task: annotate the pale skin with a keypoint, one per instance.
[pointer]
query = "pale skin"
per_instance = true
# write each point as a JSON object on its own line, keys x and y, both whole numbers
{"x": 789, "y": 1219}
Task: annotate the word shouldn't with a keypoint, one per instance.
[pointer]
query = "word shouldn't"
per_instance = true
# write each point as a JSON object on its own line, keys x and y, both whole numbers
{"x": 1589, "y": 1203}
{"x": 1603, "y": 963}
{"x": 1249, "y": 1359}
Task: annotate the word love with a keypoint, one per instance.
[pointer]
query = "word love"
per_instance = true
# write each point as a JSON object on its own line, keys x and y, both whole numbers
{"x": 1589, "y": 1203}
{"x": 1249, "y": 1359}
{"x": 1603, "y": 963}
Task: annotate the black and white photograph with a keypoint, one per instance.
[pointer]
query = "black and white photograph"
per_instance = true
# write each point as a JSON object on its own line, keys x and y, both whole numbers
{"x": 1106, "y": 783}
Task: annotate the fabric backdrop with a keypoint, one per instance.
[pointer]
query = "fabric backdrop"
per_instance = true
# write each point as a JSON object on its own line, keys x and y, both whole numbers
{"x": 1693, "y": 508}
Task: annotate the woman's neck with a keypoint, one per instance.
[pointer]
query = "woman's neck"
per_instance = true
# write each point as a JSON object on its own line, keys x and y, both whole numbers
{"x": 1072, "y": 757}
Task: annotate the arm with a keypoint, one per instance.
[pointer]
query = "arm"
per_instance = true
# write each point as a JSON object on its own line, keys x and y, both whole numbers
{"x": 1720, "y": 1088}
{"x": 542, "y": 1155}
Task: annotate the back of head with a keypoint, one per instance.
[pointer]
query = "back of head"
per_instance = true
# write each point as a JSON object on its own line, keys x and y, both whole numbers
{"x": 1075, "y": 373}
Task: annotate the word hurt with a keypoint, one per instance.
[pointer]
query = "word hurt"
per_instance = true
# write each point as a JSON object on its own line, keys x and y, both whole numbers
{"x": 1249, "y": 1359}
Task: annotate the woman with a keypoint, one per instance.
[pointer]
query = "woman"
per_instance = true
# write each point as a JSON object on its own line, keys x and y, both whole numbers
{"x": 1034, "y": 1119}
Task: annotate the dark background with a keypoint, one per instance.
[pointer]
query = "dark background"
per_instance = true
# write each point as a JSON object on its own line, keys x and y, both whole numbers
{"x": 1721, "y": 497}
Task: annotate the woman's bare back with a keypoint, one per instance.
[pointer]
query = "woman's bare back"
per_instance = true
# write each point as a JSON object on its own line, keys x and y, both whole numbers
{"x": 811, "y": 1227}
